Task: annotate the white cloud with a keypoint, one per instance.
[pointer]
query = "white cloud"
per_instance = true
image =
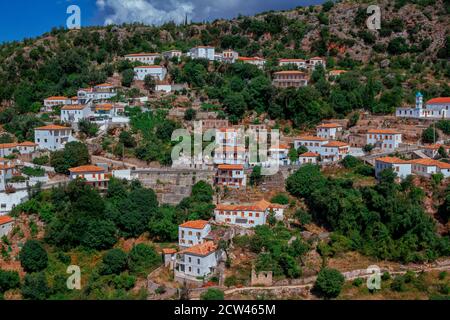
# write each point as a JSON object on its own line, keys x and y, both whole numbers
{"x": 154, "y": 12}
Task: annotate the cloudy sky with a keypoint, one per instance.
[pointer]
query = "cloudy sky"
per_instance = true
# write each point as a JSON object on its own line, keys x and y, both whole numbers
{"x": 29, "y": 18}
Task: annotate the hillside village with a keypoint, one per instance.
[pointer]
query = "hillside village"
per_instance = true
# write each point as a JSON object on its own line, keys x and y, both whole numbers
{"x": 196, "y": 222}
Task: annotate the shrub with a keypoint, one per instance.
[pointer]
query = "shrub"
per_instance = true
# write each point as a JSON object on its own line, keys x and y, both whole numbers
{"x": 33, "y": 256}
{"x": 231, "y": 281}
{"x": 280, "y": 198}
{"x": 114, "y": 262}
{"x": 212, "y": 294}
{"x": 358, "y": 282}
{"x": 329, "y": 283}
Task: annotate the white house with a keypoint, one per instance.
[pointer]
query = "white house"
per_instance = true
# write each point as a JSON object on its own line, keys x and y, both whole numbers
{"x": 7, "y": 148}
{"x": 385, "y": 139}
{"x": 147, "y": 58}
{"x": 7, "y": 171}
{"x": 231, "y": 175}
{"x": 308, "y": 158}
{"x": 102, "y": 91}
{"x": 52, "y": 137}
{"x": 334, "y": 151}
{"x": 230, "y": 56}
{"x": 329, "y": 130}
{"x": 433, "y": 150}
{"x": 94, "y": 175}
{"x": 192, "y": 233}
{"x": 172, "y": 54}
{"x": 197, "y": 262}
{"x": 203, "y": 52}
{"x": 247, "y": 215}
{"x": 75, "y": 113}
{"x": 229, "y": 155}
{"x": 312, "y": 143}
{"x": 315, "y": 61}
{"x": 51, "y": 102}
{"x": 427, "y": 167}
{"x": 27, "y": 147}
{"x": 257, "y": 61}
{"x": 279, "y": 154}
{"x": 6, "y": 225}
{"x": 299, "y": 63}
{"x": 436, "y": 108}
{"x": 401, "y": 167}
{"x": 157, "y": 72}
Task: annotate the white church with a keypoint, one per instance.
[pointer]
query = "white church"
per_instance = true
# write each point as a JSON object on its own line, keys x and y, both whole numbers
{"x": 436, "y": 108}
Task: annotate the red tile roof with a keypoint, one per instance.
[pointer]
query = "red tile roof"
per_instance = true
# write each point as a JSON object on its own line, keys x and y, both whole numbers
{"x": 310, "y": 138}
{"x": 289, "y": 72}
{"x": 87, "y": 168}
{"x": 309, "y": 155}
{"x": 261, "y": 206}
{"x": 195, "y": 224}
{"x": 329, "y": 125}
{"x": 52, "y": 127}
{"x": 383, "y": 131}
{"x": 231, "y": 167}
{"x": 336, "y": 144}
{"x": 74, "y": 107}
{"x": 27, "y": 144}
{"x": 202, "y": 249}
{"x": 143, "y": 54}
{"x": 292, "y": 60}
{"x": 392, "y": 160}
{"x": 169, "y": 251}
{"x": 439, "y": 100}
{"x": 57, "y": 98}
{"x": 148, "y": 67}
{"x": 5, "y": 219}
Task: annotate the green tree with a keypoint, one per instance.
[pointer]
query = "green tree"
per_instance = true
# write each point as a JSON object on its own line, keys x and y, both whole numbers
{"x": 74, "y": 154}
{"x": 256, "y": 176}
{"x": 329, "y": 283}
{"x": 212, "y": 294}
{"x": 127, "y": 139}
{"x": 430, "y": 135}
{"x": 33, "y": 256}
{"x": 99, "y": 235}
{"x": 293, "y": 155}
{"x": 35, "y": 286}
{"x": 190, "y": 114}
{"x": 142, "y": 257}
{"x": 114, "y": 262}
{"x": 88, "y": 128}
{"x": 9, "y": 280}
{"x": 127, "y": 77}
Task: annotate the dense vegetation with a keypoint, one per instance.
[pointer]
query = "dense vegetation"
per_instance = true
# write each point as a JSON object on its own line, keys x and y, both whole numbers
{"x": 385, "y": 221}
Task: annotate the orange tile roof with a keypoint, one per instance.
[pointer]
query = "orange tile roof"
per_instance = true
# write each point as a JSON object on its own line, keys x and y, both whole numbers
{"x": 57, "y": 98}
{"x": 434, "y": 146}
{"x": 5, "y": 219}
{"x": 27, "y": 144}
{"x": 74, "y": 107}
{"x": 261, "y": 205}
{"x": 141, "y": 54}
{"x": 231, "y": 167}
{"x": 8, "y": 145}
{"x": 202, "y": 249}
{"x": 337, "y": 144}
{"x": 52, "y": 127}
{"x": 431, "y": 163}
{"x": 329, "y": 125}
{"x": 289, "y": 72}
{"x": 310, "y": 138}
{"x": 316, "y": 58}
{"x": 383, "y": 131}
{"x": 105, "y": 85}
{"x": 439, "y": 100}
{"x": 87, "y": 168}
{"x": 169, "y": 251}
{"x": 104, "y": 106}
{"x": 309, "y": 155}
{"x": 281, "y": 146}
{"x": 392, "y": 160}
{"x": 195, "y": 224}
{"x": 250, "y": 59}
{"x": 148, "y": 67}
{"x": 292, "y": 60}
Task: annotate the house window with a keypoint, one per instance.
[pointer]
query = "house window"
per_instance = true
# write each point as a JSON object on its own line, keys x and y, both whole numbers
{"x": 198, "y": 261}
{"x": 190, "y": 259}
{"x": 198, "y": 271}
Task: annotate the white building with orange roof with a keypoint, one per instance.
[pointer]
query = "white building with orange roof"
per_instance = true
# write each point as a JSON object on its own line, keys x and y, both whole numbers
{"x": 334, "y": 151}
{"x": 427, "y": 167}
{"x": 51, "y": 102}
{"x": 436, "y": 108}
{"x": 229, "y": 155}
{"x": 203, "y": 52}
{"x": 169, "y": 54}
{"x": 197, "y": 263}
{"x": 155, "y": 71}
{"x": 94, "y": 175}
{"x": 27, "y": 147}
{"x": 385, "y": 139}
{"x": 316, "y": 61}
{"x": 230, "y": 56}
{"x": 52, "y": 137}
{"x": 75, "y": 113}
{"x": 401, "y": 167}
{"x": 312, "y": 143}
{"x": 147, "y": 58}
{"x": 192, "y": 233}
{"x": 432, "y": 150}
{"x": 231, "y": 175}
{"x": 289, "y": 78}
{"x": 7, "y": 148}
{"x": 8, "y": 169}
{"x": 248, "y": 215}
{"x": 331, "y": 131}
{"x": 6, "y": 225}
{"x": 257, "y": 61}
{"x": 308, "y": 158}
{"x": 279, "y": 155}
{"x": 299, "y": 63}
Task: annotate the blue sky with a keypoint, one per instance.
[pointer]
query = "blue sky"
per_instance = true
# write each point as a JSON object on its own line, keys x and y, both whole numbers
{"x": 29, "y": 18}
